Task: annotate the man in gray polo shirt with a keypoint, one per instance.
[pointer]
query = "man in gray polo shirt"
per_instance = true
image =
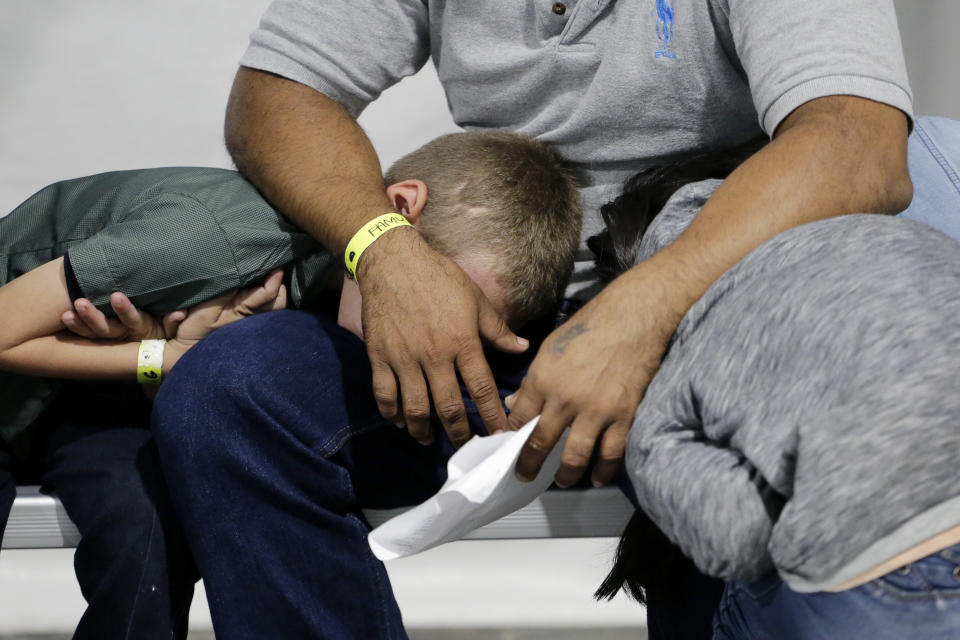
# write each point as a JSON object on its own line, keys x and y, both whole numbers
{"x": 615, "y": 86}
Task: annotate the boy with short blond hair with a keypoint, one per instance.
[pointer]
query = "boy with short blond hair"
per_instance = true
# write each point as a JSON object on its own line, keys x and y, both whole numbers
{"x": 508, "y": 193}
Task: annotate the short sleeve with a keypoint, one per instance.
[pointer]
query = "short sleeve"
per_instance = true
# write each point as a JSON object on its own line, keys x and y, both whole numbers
{"x": 349, "y": 51}
{"x": 73, "y": 286}
{"x": 677, "y": 475}
{"x": 167, "y": 254}
{"x": 794, "y": 52}
{"x": 172, "y": 251}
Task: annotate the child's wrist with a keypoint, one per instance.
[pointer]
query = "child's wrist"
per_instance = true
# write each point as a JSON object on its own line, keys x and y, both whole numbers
{"x": 150, "y": 361}
{"x": 174, "y": 351}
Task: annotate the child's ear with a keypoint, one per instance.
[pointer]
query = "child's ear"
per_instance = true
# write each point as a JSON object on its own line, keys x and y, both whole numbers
{"x": 409, "y": 197}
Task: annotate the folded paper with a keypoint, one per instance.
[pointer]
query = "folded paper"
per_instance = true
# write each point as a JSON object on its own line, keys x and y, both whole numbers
{"x": 481, "y": 487}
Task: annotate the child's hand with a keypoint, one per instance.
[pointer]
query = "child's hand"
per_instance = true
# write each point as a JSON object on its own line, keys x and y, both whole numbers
{"x": 131, "y": 323}
{"x": 206, "y": 317}
{"x": 209, "y": 316}
{"x": 182, "y": 329}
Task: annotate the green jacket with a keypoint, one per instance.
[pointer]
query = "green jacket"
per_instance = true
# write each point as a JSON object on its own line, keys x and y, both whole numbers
{"x": 169, "y": 238}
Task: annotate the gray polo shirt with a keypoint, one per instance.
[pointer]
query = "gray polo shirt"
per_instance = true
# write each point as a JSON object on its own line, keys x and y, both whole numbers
{"x": 613, "y": 85}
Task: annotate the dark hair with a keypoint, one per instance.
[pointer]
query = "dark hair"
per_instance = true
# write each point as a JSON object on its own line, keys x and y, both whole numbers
{"x": 627, "y": 217}
{"x": 645, "y": 557}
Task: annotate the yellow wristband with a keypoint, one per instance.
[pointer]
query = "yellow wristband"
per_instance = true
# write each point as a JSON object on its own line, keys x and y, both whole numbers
{"x": 150, "y": 361}
{"x": 367, "y": 235}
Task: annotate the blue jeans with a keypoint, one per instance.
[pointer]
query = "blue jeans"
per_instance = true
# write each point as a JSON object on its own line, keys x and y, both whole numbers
{"x": 271, "y": 443}
{"x": 934, "y": 158}
{"x": 920, "y": 601}
{"x": 133, "y": 563}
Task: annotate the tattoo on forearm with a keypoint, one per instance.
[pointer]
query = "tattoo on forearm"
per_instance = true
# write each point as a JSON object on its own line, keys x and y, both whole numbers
{"x": 576, "y": 330}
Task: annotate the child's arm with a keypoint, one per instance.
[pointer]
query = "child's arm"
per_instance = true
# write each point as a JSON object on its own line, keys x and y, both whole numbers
{"x": 349, "y": 312}
{"x": 33, "y": 340}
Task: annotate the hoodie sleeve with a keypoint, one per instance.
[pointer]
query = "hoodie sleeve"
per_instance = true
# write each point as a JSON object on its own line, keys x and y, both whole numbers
{"x": 705, "y": 496}
{"x": 676, "y": 215}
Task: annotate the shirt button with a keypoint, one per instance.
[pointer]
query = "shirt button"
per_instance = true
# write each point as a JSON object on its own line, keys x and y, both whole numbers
{"x": 559, "y": 8}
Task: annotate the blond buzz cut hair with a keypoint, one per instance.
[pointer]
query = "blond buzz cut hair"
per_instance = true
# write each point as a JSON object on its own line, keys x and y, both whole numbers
{"x": 509, "y": 195}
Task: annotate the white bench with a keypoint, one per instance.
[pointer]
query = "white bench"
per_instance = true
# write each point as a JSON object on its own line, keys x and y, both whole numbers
{"x": 39, "y": 521}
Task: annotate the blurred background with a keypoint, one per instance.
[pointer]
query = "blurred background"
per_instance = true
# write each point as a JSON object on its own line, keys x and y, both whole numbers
{"x": 113, "y": 84}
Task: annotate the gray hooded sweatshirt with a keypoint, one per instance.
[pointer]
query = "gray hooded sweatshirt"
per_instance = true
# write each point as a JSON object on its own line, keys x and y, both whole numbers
{"x": 806, "y": 417}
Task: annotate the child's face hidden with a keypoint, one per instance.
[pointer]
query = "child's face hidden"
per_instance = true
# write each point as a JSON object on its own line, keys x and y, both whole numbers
{"x": 478, "y": 266}
{"x": 481, "y": 269}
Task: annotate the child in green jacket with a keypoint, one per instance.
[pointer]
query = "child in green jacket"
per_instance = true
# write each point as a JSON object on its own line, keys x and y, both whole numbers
{"x": 175, "y": 253}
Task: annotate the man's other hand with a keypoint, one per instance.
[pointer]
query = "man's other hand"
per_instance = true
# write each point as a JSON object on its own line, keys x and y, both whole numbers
{"x": 589, "y": 375}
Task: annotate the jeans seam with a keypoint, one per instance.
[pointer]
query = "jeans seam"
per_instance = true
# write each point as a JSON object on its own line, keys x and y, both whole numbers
{"x": 143, "y": 571}
{"x": 952, "y": 553}
{"x": 939, "y": 157}
{"x": 384, "y": 620}
{"x": 334, "y": 443}
{"x": 931, "y": 593}
{"x": 722, "y": 614}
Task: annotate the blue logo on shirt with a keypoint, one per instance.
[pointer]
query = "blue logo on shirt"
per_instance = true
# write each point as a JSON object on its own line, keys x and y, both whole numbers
{"x": 665, "y": 31}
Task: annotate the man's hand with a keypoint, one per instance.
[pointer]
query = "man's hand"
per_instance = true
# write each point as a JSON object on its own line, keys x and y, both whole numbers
{"x": 590, "y": 374}
{"x": 831, "y": 156}
{"x": 423, "y": 320}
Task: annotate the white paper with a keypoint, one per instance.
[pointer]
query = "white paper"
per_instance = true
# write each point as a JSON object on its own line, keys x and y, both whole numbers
{"x": 481, "y": 487}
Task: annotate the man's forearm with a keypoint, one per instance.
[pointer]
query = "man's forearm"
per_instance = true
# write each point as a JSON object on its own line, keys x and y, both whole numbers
{"x": 314, "y": 163}
{"x": 831, "y": 157}
{"x": 306, "y": 154}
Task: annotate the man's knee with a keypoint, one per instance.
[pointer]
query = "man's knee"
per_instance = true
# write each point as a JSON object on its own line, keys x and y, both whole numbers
{"x": 278, "y": 371}
{"x": 226, "y": 366}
